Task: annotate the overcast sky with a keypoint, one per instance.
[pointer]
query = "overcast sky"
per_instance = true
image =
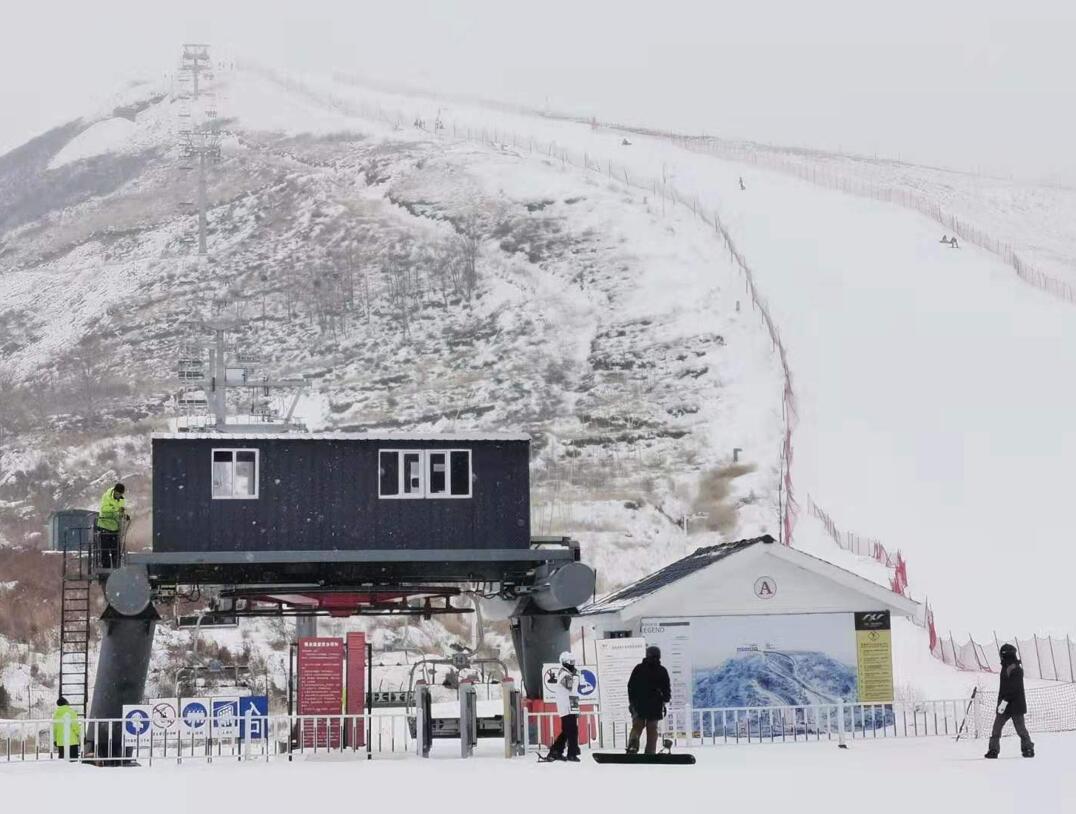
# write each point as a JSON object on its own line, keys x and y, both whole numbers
{"x": 975, "y": 84}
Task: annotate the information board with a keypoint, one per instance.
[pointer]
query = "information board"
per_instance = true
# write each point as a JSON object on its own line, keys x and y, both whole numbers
{"x": 673, "y": 637}
{"x": 874, "y": 657}
{"x": 321, "y": 689}
{"x": 616, "y": 659}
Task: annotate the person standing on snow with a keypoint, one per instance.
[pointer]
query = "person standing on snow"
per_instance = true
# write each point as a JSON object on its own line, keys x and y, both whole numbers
{"x": 1012, "y": 704}
{"x": 567, "y": 694}
{"x": 648, "y": 693}
{"x": 66, "y": 730}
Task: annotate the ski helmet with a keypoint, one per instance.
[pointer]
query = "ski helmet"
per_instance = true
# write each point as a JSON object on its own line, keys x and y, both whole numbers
{"x": 1007, "y": 653}
{"x": 567, "y": 659}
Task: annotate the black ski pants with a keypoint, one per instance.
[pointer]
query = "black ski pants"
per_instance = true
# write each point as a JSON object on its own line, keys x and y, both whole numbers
{"x": 1018, "y": 724}
{"x": 569, "y": 734}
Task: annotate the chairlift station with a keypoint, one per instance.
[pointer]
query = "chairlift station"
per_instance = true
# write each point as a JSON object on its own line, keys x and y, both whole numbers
{"x": 340, "y": 524}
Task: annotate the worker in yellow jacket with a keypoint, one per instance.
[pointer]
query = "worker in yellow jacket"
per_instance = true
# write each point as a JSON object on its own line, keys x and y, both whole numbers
{"x": 66, "y": 729}
{"x": 110, "y": 519}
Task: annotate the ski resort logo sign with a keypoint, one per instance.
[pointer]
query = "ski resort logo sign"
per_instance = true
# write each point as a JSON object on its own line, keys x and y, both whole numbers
{"x": 765, "y": 587}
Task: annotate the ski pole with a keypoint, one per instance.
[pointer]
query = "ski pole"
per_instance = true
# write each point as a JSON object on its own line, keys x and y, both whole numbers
{"x": 966, "y": 712}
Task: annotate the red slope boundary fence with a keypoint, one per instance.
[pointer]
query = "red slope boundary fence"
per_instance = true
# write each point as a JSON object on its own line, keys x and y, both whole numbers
{"x": 1044, "y": 657}
{"x": 620, "y": 174}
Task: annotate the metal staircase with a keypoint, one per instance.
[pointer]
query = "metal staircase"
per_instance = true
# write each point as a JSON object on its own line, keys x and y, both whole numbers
{"x": 77, "y": 578}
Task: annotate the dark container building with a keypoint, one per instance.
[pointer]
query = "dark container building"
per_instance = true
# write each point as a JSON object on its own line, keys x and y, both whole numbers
{"x": 340, "y": 492}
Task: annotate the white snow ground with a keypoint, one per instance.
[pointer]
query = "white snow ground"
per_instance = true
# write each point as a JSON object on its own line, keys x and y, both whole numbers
{"x": 886, "y": 777}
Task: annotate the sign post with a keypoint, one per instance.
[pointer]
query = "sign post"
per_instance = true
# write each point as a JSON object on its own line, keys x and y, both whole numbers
{"x": 356, "y": 689}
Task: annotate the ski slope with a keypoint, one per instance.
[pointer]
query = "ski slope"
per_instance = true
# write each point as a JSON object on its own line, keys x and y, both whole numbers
{"x": 814, "y": 777}
{"x": 935, "y": 389}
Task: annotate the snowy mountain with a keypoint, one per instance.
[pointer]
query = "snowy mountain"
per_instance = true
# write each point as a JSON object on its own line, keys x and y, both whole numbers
{"x": 602, "y": 317}
{"x": 416, "y": 281}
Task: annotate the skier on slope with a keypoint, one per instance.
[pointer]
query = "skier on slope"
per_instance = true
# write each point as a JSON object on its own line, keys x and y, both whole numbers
{"x": 567, "y": 695}
{"x": 648, "y": 693}
{"x": 1012, "y": 704}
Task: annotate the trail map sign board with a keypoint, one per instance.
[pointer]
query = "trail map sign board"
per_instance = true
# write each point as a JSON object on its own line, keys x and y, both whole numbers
{"x": 673, "y": 636}
{"x": 321, "y": 689}
{"x": 616, "y": 659}
{"x": 874, "y": 657}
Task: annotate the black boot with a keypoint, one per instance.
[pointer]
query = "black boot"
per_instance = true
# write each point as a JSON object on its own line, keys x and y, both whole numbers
{"x": 991, "y": 754}
{"x": 1028, "y": 751}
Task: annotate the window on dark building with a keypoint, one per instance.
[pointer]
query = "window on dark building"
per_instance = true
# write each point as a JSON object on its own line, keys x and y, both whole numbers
{"x": 389, "y": 473}
{"x": 431, "y": 473}
{"x": 235, "y": 474}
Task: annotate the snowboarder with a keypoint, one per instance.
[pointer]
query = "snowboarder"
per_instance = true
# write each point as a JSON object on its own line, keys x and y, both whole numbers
{"x": 742, "y": 187}
{"x": 66, "y": 730}
{"x": 1012, "y": 704}
{"x": 945, "y": 239}
{"x": 567, "y": 695}
{"x": 952, "y": 243}
{"x": 648, "y": 693}
{"x": 110, "y": 519}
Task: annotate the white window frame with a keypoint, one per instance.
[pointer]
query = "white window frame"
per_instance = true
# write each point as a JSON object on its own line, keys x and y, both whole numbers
{"x": 401, "y": 475}
{"x": 257, "y": 473}
{"x": 447, "y": 494}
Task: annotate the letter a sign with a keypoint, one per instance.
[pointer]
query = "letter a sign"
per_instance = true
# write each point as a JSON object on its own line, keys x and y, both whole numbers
{"x": 765, "y": 588}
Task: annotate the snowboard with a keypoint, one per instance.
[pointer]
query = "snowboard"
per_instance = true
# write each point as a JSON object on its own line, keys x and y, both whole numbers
{"x": 656, "y": 760}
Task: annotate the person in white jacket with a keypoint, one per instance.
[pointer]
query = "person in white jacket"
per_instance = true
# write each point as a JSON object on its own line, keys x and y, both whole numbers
{"x": 566, "y": 693}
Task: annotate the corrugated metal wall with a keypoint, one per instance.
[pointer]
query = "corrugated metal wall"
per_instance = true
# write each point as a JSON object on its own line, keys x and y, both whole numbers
{"x": 323, "y": 495}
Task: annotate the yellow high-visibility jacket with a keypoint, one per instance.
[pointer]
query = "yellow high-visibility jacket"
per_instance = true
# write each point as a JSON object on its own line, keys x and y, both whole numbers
{"x": 111, "y": 512}
{"x": 66, "y": 729}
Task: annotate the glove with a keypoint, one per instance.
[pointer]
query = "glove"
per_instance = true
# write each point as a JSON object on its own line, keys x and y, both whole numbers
{"x": 1002, "y": 707}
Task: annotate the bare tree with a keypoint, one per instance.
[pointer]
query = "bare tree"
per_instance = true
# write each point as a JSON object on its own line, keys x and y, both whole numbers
{"x": 469, "y": 244}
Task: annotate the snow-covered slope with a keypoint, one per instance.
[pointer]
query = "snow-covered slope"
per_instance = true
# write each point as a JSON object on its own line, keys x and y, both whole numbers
{"x": 935, "y": 388}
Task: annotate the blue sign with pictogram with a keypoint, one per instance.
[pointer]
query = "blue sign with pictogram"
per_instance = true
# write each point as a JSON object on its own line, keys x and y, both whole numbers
{"x": 253, "y": 712}
{"x": 588, "y": 683}
{"x": 194, "y": 716}
{"x": 136, "y": 724}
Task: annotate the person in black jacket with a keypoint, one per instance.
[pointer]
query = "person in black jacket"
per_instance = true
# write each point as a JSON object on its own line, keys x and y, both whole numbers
{"x": 1012, "y": 704}
{"x": 648, "y": 693}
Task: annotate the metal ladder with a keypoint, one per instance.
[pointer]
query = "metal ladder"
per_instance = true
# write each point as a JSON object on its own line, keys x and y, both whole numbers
{"x": 77, "y": 577}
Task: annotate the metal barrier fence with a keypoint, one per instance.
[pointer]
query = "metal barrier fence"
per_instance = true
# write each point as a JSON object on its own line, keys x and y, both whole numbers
{"x": 734, "y": 725}
{"x": 366, "y": 736}
{"x": 104, "y": 741}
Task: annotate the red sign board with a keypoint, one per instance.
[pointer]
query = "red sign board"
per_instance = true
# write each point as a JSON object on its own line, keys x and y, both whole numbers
{"x": 321, "y": 689}
{"x": 356, "y": 687}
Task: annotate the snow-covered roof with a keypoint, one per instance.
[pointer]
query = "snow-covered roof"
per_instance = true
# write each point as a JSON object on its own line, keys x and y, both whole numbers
{"x": 713, "y": 555}
{"x": 700, "y": 558}
{"x": 342, "y": 436}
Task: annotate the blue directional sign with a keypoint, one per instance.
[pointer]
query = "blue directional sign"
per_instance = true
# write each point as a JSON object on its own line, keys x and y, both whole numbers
{"x": 253, "y": 710}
